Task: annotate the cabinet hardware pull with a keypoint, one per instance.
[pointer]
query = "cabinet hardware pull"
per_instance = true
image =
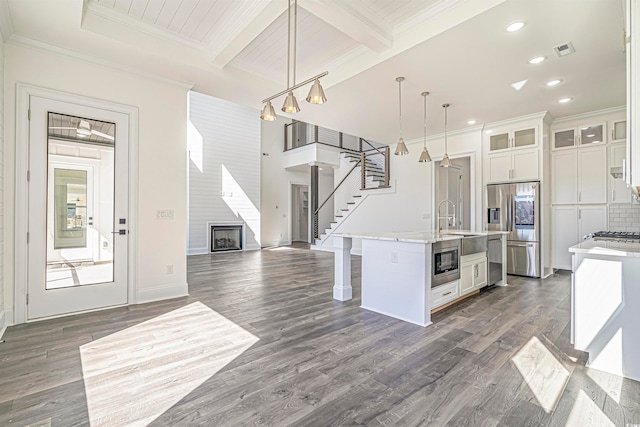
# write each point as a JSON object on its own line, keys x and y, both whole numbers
{"x": 447, "y": 293}
{"x": 613, "y": 195}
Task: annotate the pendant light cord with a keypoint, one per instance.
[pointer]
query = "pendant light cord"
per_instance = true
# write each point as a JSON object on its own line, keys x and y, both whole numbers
{"x": 425, "y": 121}
{"x": 295, "y": 38}
{"x": 288, "y": 42}
{"x": 400, "y": 105}
{"x": 445, "y": 127}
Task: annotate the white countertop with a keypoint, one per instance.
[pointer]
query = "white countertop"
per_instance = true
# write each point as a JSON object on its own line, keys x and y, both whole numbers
{"x": 415, "y": 236}
{"x": 606, "y": 247}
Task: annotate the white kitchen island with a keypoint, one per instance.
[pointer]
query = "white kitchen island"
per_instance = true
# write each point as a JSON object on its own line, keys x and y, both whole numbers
{"x": 396, "y": 273}
{"x": 605, "y": 309}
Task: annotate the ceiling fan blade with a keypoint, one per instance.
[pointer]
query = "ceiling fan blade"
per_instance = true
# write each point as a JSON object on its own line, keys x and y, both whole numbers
{"x": 104, "y": 135}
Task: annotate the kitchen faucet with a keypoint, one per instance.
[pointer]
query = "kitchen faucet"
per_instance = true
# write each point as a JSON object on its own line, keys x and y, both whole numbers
{"x": 451, "y": 219}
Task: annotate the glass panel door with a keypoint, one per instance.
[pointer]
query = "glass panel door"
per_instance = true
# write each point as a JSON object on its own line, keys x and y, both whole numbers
{"x": 78, "y": 206}
{"x": 592, "y": 134}
{"x": 522, "y": 138}
{"x": 80, "y": 200}
{"x": 564, "y": 138}
{"x": 499, "y": 141}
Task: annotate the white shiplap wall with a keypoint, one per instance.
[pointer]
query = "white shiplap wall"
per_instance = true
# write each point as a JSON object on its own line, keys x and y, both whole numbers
{"x": 224, "y": 169}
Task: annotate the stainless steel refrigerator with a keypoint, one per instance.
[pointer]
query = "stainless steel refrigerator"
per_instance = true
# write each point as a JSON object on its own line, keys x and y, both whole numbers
{"x": 516, "y": 208}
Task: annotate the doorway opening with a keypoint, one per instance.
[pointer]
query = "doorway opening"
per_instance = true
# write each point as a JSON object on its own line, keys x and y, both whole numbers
{"x": 453, "y": 184}
{"x": 300, "y": 224}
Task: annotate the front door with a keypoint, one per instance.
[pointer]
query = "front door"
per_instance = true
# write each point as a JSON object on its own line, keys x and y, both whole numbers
{"x": 78, "y": 206}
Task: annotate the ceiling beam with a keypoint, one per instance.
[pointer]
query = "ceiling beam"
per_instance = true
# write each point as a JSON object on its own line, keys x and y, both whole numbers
{"x": 256, "y": 19}
{"x": 345, "y": 17}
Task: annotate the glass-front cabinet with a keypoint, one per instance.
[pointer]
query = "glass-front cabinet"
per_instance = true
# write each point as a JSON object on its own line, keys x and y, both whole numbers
{"x": 619, "y": 131}
{"x": 585, "y": 135}
{"x": 512, "y": 139}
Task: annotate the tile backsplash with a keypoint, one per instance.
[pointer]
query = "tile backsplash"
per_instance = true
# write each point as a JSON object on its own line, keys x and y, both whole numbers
{"x": 623, "y": 217}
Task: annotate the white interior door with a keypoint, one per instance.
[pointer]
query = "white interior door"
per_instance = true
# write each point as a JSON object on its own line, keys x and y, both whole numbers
{"x": 78, "y": 208}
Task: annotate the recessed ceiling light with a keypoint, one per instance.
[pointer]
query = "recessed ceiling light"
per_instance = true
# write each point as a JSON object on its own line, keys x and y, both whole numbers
{"x": 564, "y": 100}
{"x": 537, "y": 60}
{"x": 591, "y": 135}
{"x": 488, "y": 131}
{"x": 515, "y": 26}
{"x": 518, "y": 85}
{"x": 553, "y": 82}
{"x": 472, "y": 122}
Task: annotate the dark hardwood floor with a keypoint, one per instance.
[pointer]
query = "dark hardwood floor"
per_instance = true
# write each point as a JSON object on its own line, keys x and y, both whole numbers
{"x": 268, "y": 345}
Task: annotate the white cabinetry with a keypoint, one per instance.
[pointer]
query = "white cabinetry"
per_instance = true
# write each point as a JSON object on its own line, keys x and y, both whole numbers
{"x": 473, "y": 272}
{"x": 579, "y": 176}
{"x": 512, "y": 138}
{"x": 580, "y": 136}
{"x": 515, "y": 165}
{"x": 570, "y": 224}
{"x": 618, "y": 190}
{"x": 443, "y": 294}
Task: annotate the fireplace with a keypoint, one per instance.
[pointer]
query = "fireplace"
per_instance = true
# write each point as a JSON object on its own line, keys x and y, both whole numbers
{"x": 226, "y": 238}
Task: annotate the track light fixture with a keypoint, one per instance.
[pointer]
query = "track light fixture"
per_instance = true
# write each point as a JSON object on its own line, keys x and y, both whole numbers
{"x": 316, "y": 94}
{"x": 424, "y": 156}
{"x": 401, "y": 148}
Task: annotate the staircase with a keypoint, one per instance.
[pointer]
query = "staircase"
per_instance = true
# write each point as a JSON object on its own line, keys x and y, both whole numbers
{"x": 374, "y": 178}
{"x": 373, "y": 171}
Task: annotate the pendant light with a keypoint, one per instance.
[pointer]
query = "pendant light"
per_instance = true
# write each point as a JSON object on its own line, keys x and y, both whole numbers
{"x": 445, "y": 163}
{"x": 268, "y": 113}
{"x": 401, "y": 148}
{"x": 424, "y": 156}
{"x": 316, "y": 94}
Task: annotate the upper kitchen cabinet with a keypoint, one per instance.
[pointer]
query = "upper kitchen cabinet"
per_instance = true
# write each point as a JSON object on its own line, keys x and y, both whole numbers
{"x": 619, "y": 192}
{"x": 581, "y": 136}
{"x": 507, "y": 139}
{"x": 513, "y": 149}
{"x": 618, "y": 130}
{"x": 632, "y": 51}
{"x": 579, "y": 176}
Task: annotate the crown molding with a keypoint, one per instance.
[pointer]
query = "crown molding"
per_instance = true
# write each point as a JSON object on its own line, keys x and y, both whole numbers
{"x": 6, "y": 22}
{"x": 542, "y": 115}
{"x": 590, "y": 114}
{"x": 67, "y": 53}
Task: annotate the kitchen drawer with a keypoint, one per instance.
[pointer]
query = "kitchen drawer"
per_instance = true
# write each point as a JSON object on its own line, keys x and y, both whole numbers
{"x": 444, "y": 293}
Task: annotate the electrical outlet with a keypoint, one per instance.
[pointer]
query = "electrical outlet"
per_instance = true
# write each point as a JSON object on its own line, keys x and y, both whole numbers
{"x": 105, "y": 244}
{"x": 394, "y": 257}
{"x": 426, "y": 216}
{"x": 170, "y": 269}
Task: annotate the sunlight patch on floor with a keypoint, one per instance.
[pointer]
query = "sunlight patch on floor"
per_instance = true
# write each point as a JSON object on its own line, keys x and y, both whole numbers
{"x": 44, "y": 423}
{"x": 133, "y": 376}
{"x": 543, "y": 373}
{"x": 586, "y": 413}
{"x": 611, "y": 384}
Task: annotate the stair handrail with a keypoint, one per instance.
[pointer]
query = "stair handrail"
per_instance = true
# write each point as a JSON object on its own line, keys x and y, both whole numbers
{"x": 373, "y": 146}
{"x": 337, "y": 186}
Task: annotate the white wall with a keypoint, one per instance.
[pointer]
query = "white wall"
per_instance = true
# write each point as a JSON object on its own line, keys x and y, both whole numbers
{"x": 224, "y": 169}
{"x": 4, "y": 304}
{"x": 162, "y": 175}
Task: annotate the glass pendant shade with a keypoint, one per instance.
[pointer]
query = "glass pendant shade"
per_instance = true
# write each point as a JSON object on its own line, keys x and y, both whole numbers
{"x": 84, "y": 128}
{"x": 445, "y": 163}
{"x": 316, "y": 93}
{"x": 424, "y": 156}
{"x": 268, "y": 112}
{"x": 401, "y": 148}
{"x": 290, "y": 104}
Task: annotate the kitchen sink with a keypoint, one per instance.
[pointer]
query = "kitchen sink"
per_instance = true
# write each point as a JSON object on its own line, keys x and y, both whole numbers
{"x": 473, "y": 244}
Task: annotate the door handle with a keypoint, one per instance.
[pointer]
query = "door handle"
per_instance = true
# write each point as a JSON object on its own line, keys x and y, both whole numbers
{"x": 120, "y": 232}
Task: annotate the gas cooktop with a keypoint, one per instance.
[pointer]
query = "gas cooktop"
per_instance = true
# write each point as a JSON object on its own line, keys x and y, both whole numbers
{"x": 616, "y": 236}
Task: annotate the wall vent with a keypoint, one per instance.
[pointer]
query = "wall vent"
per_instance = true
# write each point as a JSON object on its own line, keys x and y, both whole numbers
{"x": 564, "y": 49}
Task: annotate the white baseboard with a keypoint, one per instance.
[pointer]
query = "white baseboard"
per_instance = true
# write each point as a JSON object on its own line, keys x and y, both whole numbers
{"x": 197, "y": 251}
{"x": 254, "y": 247}
{"x": 3, "y": 323}
{"x": 163, "y": 292}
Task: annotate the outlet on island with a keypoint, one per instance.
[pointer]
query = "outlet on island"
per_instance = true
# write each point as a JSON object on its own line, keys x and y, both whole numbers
{"x": 170, "y": 269}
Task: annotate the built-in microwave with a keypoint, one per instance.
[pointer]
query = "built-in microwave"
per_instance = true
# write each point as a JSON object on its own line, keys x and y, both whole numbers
{"x": 445, "y": 262}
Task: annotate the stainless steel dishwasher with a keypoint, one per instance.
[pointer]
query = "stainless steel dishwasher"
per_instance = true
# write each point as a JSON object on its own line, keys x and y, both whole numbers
{"x": 495, "y": 258}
